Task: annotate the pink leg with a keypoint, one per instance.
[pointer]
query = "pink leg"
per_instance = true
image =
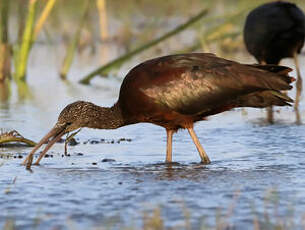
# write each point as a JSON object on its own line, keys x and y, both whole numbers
{"x": 169, "y": 134}
{"x": 204, "y": 157}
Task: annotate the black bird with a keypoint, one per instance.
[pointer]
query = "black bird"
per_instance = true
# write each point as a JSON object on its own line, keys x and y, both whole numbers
{"x": 174, "y": 92}
{"x": 274, "y": 31}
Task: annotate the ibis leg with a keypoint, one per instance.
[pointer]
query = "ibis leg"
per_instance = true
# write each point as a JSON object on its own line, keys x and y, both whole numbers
{"x": 270, "y": 118}
{"x": 299, "y": 86}
{"x": 204, "y": 157}
{"x": 169, "y": 134}
{"x": 269, "y": 110}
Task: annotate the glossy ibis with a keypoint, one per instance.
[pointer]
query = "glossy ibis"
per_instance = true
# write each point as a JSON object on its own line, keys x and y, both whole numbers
{"x": 274, "y": 31}
{"x": 174, "y": 92}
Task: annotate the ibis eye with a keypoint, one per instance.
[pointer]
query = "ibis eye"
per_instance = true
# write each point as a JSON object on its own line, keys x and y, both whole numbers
{"x": 69, "y": 123}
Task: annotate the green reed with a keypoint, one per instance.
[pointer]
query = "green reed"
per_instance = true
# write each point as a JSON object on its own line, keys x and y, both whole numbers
{"x": 22, "y": 50}
{"x": 5, "y": 48}
{"x": 29, "y": 32}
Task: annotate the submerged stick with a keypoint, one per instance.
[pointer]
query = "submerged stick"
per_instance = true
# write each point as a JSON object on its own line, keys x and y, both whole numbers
{"x": 122, "y": 59}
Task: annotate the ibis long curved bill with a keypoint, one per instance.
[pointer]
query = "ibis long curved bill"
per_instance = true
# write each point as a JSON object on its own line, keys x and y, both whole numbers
{"x": 54, "y": 134}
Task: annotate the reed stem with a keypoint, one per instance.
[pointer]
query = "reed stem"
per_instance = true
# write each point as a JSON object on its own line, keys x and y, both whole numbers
{"x": 21, "y": 14}
{"x": 23, "y": 53}
{"x": 43, "y": 17}
{"x": 73, "y": 44}
{"x": 101, "y": 5}
{"x": 5, "y": 49}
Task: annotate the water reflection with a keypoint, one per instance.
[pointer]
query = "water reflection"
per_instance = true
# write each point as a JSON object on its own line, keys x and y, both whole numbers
{"x": 5, "y": 91}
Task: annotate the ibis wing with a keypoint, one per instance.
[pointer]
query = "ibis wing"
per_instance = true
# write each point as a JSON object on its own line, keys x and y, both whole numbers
{"x": 198, "y": 83}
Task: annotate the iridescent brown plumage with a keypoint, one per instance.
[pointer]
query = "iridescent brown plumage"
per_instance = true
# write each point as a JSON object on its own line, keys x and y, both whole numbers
{"x": 176, "y": 91}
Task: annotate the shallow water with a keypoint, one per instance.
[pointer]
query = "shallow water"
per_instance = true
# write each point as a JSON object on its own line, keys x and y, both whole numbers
{"x": 257, "y": 170}
{"x": 248, "y": 159}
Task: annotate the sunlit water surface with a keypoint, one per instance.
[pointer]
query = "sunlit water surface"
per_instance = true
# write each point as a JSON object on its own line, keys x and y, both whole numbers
{"x": 256, "y": 168}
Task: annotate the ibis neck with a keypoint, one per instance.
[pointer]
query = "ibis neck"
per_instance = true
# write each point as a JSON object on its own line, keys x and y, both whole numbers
{"x": 106, "y": 118}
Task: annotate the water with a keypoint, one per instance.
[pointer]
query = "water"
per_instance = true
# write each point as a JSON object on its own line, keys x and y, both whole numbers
{"x": 257, "y": 171}
{"x": 248, "y": 160}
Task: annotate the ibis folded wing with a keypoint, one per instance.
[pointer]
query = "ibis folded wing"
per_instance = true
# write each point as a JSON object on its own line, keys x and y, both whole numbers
{"x": 198, "y": 83}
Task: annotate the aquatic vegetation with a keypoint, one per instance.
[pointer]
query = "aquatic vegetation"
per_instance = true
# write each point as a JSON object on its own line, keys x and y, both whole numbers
{"x": 5, "y": 48}
{"x": 30, "y": 33}
{"x": 43, "y": 17}
{"x": 70, "y": 52}
{"x": 101, "y": 5}
{"x": 14, "y": 136}
{"x": 23, "y": 49}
